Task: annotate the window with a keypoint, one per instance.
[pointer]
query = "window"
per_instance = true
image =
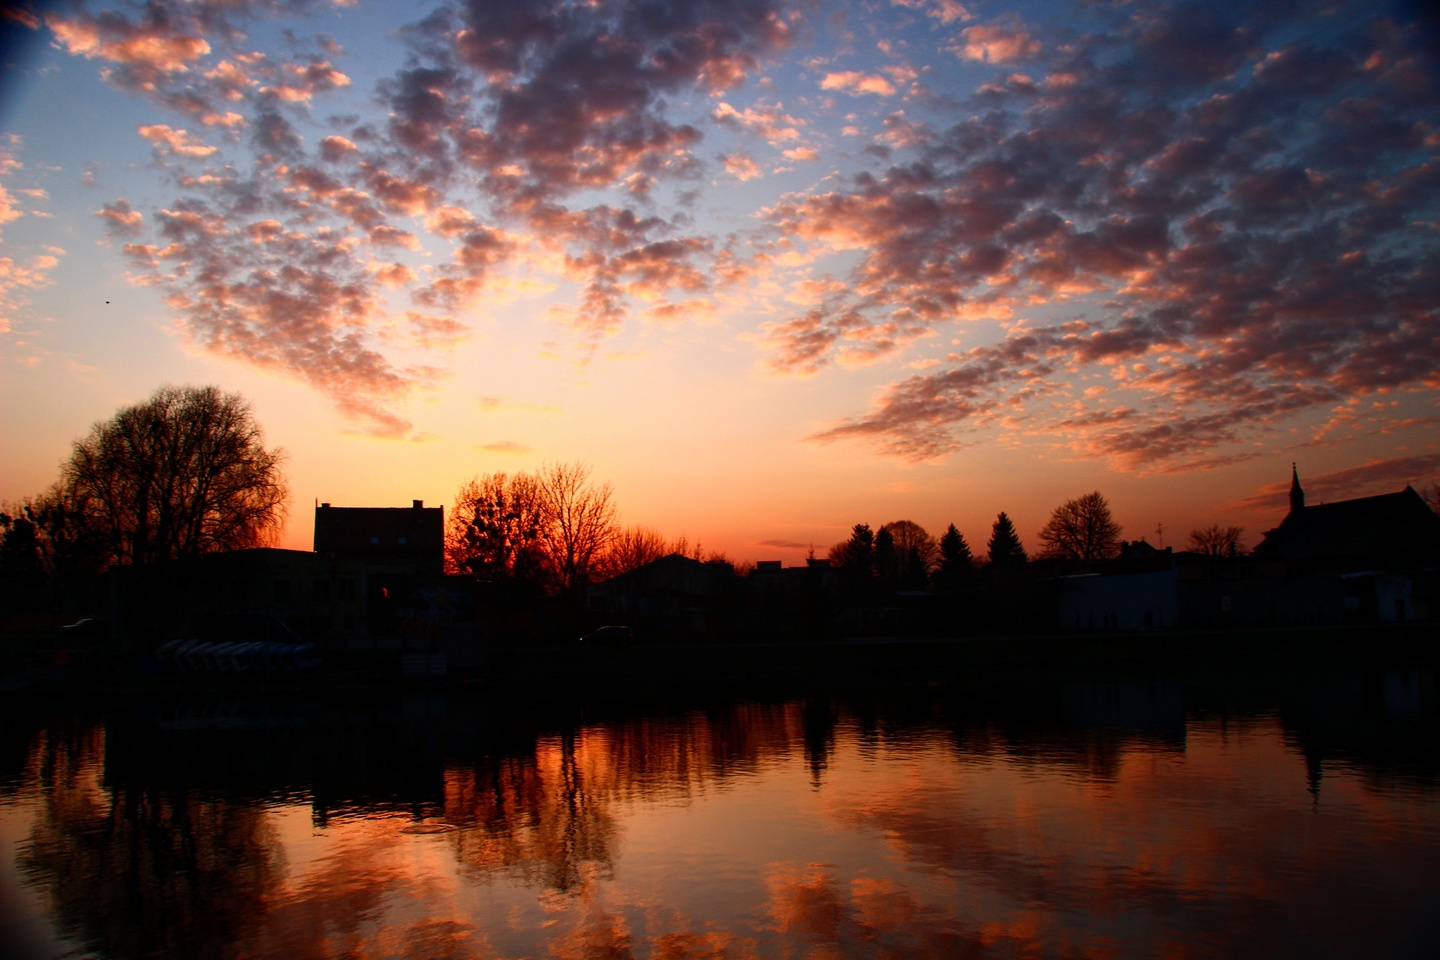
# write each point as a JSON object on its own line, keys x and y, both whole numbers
{"x": 320, "y": 590}
{"x": 347, "y": 589}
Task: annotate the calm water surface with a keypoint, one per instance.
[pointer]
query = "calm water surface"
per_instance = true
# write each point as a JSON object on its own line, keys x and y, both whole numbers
{"x": 1073, "y": 813}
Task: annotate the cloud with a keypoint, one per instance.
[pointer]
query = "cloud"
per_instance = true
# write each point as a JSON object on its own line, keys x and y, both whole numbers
{"x": 997, "y": 44}
{"x": 856, "y": 83}
{"x": 740, "y": 166}
{"x": 527, "y": 103}
{"x": 945, "y": 11}
{"x": 301, "y": 82}
{"x": 155, "y": 44}
{"x": 770, "y": 123}
{"x": 178, "y": 142}
{"x": 1240, "y": 208}
{"x": 120, "y": 219}
{"x": 1226, "y": 222}
{"x": 503, "y": 446}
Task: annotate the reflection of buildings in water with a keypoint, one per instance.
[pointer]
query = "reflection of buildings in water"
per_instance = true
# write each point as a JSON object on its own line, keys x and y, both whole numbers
{"x": 550, "y": 814}
{"x": 1378, "y": 723}
{"x": 1149, "y": 707}
{"x": 538, "y": 815}
{"x": 134, "y": 870}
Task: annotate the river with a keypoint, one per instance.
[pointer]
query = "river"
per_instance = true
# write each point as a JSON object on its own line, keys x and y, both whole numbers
{"x": 1218, "y": 808}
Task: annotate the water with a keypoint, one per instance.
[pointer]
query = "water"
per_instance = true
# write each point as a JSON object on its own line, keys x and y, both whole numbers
{"x": 1229, "y": 810}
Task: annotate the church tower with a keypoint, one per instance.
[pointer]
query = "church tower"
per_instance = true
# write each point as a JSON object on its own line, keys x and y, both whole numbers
{"x": 1297, "y": 496}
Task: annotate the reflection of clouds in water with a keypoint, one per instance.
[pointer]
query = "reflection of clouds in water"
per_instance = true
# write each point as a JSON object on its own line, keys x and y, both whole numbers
{"x": 1169, "y": 849}
{"x": 816, "y": 913}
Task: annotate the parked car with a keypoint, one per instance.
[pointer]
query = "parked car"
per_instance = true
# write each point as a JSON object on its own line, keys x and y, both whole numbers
{"x": 612, "y": 636}
{"x": 89, "y": 630}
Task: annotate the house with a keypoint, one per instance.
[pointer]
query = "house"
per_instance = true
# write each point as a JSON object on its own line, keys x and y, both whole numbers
{"x": 1378, "y": 556}
{"x": 1389, "y": 530}
{"x": 409, "y": 537}
{"x": 674, "y": 596}
{"x": 1139, "y": 590}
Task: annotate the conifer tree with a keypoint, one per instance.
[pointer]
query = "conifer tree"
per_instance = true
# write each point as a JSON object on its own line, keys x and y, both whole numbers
{"x": 956, "y": 563}
{"x": 860, "y": 551}
{"x": 887, "y": 565}
{"x": 1005, "y": 549}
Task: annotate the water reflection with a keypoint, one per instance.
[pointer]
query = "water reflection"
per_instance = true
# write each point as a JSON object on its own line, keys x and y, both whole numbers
{"x": 189, "y": 873}
{"x": 994, "y": 815}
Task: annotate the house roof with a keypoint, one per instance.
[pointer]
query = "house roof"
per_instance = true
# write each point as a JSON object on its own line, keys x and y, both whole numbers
{"x": 1392, "y": 526}
{"x": 673, "y": 573}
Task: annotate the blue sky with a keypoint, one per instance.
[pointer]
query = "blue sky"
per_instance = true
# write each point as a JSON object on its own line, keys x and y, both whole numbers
{"x": 771, "y": 268}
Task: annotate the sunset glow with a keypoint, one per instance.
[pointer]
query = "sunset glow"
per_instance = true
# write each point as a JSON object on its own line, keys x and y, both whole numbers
{"x": 770, "y": 267}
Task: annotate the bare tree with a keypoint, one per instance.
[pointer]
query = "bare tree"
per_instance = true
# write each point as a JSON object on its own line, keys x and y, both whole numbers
{"x": 182, "y": 474}
{"x": 915, "y": 552}
{"x": 1082, "y": 529}
{"x": 497, "y": 528}
{"x": 1217, "y": 541}
{"x": 580, "y": 520}
{"x": 632, "y": 548}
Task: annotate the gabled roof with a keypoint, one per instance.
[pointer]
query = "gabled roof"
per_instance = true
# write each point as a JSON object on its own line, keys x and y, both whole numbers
{"x": 674, "y": 573}
{"x": 1392, "y": 526}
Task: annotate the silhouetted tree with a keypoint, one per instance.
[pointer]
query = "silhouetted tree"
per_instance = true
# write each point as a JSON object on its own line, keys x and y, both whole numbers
{"x": 580, "y": 522}
{"x": 1217, "y": 541}
{"x": 632, "y": 548}
{"x": 1082, "y": 529}
{"x": 856, "y": 556}
{"x": 887, "y": 565}
{"x": 42, "y": 533}
{"x": 182, "y": 474}
{"x": 915, "y": 552}
{"x": 956, "y": 565}
{"x": 1004, "y": 549}
{"x": 551, "y": 529}
{"x": 22, "y": 573}
{"x": 496, "y": 530}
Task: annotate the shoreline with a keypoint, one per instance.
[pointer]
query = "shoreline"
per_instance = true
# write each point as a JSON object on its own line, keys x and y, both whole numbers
{"x": 568, "y": 668}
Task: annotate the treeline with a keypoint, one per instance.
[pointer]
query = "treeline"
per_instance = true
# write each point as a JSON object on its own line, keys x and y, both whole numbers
{"x": 187, "y": 472}
{"x": 551, "y": 532}
{"x": 902, "y": 556}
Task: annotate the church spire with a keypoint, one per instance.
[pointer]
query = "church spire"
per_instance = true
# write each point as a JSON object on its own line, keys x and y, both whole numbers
{"x": 1297, "y": 496}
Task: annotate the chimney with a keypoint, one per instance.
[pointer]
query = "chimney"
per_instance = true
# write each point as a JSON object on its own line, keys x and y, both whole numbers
{"x": 417, "y": 504}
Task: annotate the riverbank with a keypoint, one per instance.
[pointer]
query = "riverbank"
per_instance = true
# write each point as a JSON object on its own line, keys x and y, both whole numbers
{"x": 561, "y": 670}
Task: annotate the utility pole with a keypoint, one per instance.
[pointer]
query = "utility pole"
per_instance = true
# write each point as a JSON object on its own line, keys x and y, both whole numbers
{"x": 1160, "y": 534}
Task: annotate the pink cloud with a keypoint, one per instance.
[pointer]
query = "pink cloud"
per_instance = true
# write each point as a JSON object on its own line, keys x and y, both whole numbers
{"x": 997, "y": 44}
{"x": 1243, "y": 241}
{"x": 856, "y": 83}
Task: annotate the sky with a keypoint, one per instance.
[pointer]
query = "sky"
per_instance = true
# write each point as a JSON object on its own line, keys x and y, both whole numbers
{"x": 771, "y": 268}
